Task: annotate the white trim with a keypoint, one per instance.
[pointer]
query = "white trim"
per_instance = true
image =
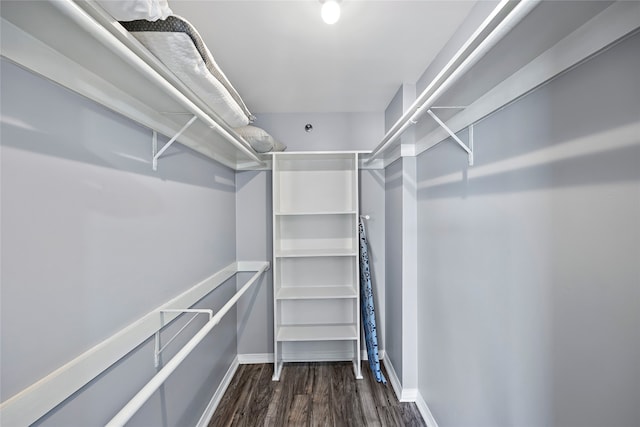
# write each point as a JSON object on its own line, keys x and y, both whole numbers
{"x": 317, "y": 356}
{"x": 427, "y": 416}
{"x": 330, "y": 153}
{"x": 403, "y": 394}
{"x": 391, "y": 156}
{"x": 409, "y": 284}
{"x": 217, "y": 396}
{"x": 409, "y": 395}
{"x": 408, "y": 150}
{"x": 374, "y": 164}
{"x": 393, "y": 378}
{"x": 255, "y": 358}
{"x": 249, "y": 266}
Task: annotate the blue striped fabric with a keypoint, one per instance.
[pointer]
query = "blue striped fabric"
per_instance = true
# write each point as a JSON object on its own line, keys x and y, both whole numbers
{"x": 367, "y": 308}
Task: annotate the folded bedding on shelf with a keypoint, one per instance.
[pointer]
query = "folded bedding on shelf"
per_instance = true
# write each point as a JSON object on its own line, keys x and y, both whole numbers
{"x": 179, "y": 46}
{"x": 130, "y": 10}
{"x": 259, "y": 139}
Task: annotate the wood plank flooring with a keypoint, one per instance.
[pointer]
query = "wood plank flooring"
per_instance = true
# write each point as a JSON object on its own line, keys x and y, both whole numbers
{"x": 311, "y": 394}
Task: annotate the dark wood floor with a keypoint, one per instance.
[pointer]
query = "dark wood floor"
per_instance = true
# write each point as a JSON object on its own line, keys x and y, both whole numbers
{"x": 311, "y": 394}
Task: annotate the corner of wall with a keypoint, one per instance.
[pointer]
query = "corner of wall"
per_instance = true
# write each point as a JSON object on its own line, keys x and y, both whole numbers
{"x": 409, "y": 395}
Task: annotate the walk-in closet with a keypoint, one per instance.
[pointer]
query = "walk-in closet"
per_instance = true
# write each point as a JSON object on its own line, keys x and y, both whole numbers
{"x": 320, "y": 213}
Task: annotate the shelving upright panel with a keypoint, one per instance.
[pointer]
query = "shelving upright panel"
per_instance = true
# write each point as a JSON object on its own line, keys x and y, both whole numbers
{"x": 315, "y": 249}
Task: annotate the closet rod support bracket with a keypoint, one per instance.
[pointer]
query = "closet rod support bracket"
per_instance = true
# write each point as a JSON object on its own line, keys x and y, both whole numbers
{"x": 156, "y": 153}
{"x": 467, "y": 149}
{"x": 157, "y": 350}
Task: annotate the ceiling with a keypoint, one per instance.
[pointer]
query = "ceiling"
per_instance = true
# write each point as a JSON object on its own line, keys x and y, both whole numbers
{"x": 283, "y": 58}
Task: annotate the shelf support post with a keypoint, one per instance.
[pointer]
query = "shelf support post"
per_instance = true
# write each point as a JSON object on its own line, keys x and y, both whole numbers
{"x": 156, "y": 153}
{"x": 462, "y": 145}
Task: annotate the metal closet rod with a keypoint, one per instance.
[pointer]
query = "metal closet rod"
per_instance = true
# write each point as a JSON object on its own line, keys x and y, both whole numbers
{"x": 85, "y": 21}
{"x": 461, "y": 62}
{"x": 154, "y": 384}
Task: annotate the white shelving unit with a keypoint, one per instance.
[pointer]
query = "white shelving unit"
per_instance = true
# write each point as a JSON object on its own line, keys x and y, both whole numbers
{"x": 315, "y": 246}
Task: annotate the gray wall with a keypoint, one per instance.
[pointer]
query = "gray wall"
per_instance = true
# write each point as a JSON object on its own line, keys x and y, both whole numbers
{"x": 530, "y": 260}
{"x": 92, "y": 239}
{"x": 393, "y": 247}
{"x": 394, "y": 110}
{"x": 372, "y": 203}
{"x": 331, "y": 131}
{"x": 474, "y": 18}
{"x": 393, "y": 261}
{"x": 254, "y": 235}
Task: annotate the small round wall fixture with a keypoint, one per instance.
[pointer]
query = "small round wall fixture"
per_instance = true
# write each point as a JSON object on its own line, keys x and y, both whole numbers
{"x": 330, "y": 11}
{"x": 308, "y": 127}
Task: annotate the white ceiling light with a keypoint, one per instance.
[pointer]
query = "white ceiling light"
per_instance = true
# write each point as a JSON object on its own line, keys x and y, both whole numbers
{"x": 330, "y": 11}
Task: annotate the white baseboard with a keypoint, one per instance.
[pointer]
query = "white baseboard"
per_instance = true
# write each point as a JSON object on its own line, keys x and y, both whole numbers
{"x": 393, "y": 378}
{"x": 308, "y": 356}
{"x": 403, "y": 394}
{"x": 255, "y": 358}
{"x": 217, "y": 396}
{"x": 317, "y": 356}
{"x": 427, "y": 416}
{"x": 409, "y": 395}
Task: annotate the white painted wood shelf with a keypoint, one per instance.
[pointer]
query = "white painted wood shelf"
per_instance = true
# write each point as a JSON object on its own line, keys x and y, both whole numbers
{"x": 303, "y": 253}
{"x": 81, "y": 47}
{"x": 316, "y": 292}
{"x": 315, "y": 246}
{"x": 315, "y": 213}
{"x": 337, "y": 332}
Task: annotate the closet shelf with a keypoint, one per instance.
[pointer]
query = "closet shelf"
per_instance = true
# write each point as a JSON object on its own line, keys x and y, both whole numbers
{"x": 80, "y": 47}
{"x": 316, "y": 213}
{"x": 303, "y": 253}
{"x": 316, "y": 292}
{"x": 337, "y": 332}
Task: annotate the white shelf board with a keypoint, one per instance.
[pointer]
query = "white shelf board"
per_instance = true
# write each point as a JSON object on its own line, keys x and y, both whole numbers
{"x": 48, "y": 41}
{"x": 316, "y": 292}
{"x": 302, "y": 253}
{"x": 316, "y": 213}
{"x": 338, "y": 332}
{"x": 318, "y": 155}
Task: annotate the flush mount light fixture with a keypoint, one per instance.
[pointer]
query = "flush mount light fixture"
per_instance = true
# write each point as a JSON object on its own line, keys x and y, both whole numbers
{"x": 330, "y": 11}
